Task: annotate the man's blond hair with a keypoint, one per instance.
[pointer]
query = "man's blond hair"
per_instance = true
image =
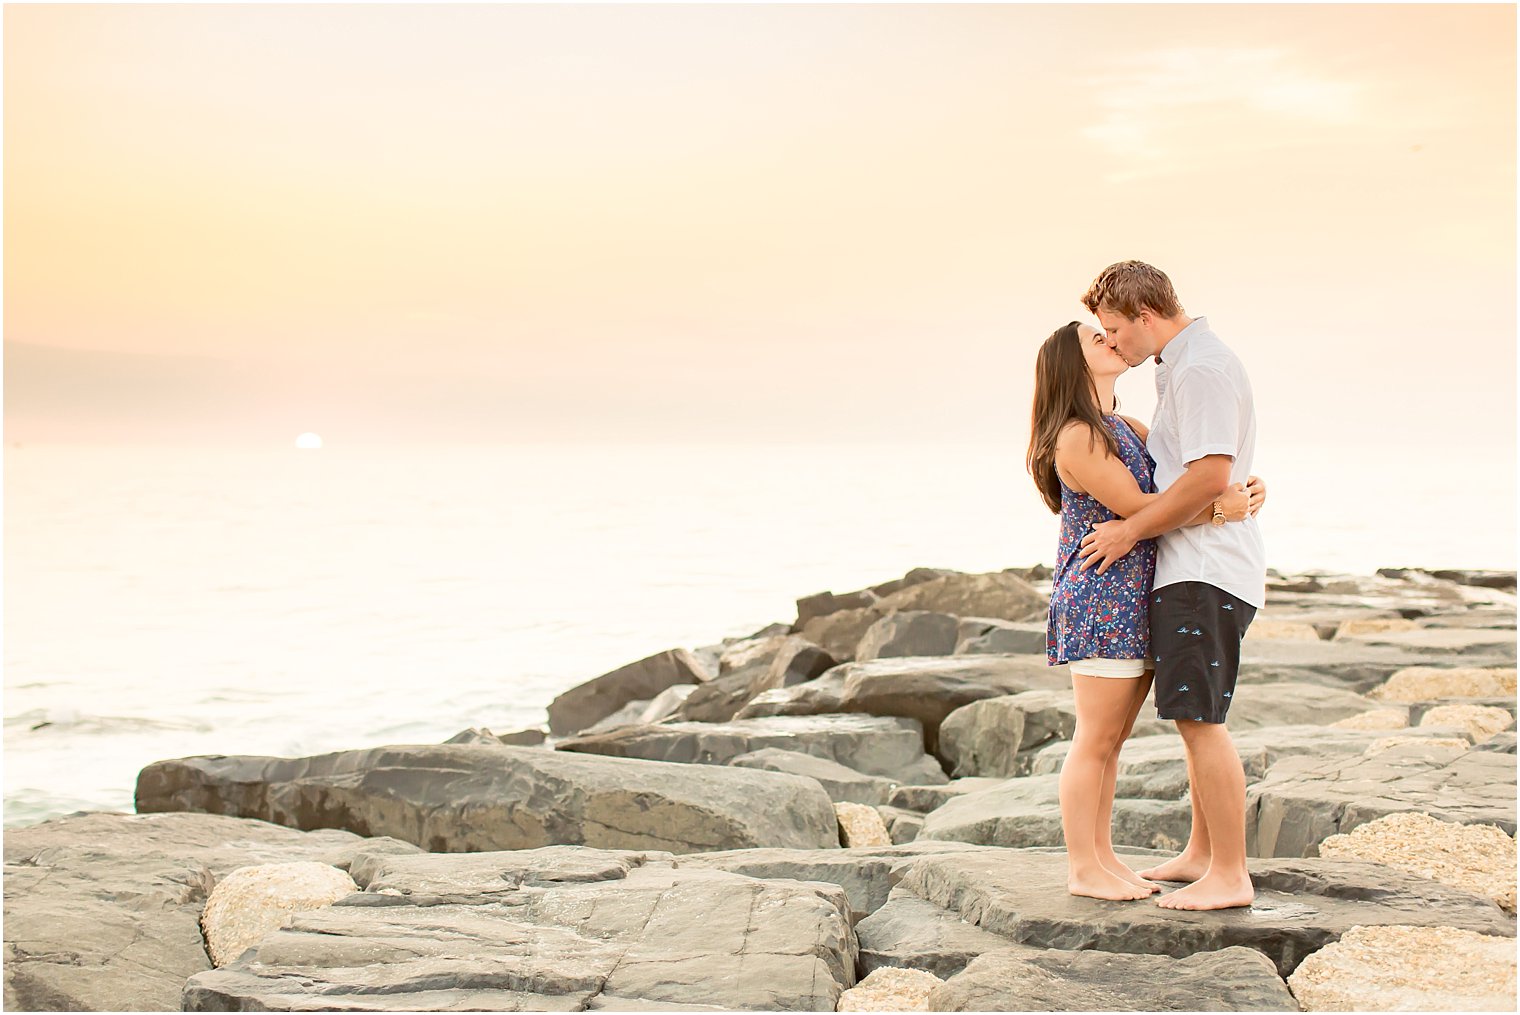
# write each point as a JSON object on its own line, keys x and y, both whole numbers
{"x": 1132, "y": 286}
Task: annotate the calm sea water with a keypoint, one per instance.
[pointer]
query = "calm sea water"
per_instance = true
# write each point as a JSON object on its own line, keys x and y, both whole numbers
{"x": 164, "y": 602}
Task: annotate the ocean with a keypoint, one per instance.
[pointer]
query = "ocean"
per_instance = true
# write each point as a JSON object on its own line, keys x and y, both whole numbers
{"x": 162, "y": 602}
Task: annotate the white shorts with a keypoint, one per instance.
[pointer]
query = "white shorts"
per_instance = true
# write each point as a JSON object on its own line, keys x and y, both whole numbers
{"x": 1099, "y": 667}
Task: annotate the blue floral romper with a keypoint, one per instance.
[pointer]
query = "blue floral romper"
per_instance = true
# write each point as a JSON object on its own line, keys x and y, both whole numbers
{"x": 1103, "y": 615}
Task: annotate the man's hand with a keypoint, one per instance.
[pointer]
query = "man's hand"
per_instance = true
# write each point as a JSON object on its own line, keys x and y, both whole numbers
{"x": 1256, "y": 487}
{"x": 1107, "y": 542}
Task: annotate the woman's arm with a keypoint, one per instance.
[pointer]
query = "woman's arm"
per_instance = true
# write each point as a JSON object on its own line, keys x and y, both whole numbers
{"x": 1082, "y": 457}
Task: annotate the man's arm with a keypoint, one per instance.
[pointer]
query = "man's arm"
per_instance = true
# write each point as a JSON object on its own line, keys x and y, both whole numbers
{"x": 1204, "y": 480}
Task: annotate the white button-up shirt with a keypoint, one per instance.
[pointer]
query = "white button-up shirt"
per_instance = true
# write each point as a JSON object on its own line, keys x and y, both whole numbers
{"x": 1204, "y": 407}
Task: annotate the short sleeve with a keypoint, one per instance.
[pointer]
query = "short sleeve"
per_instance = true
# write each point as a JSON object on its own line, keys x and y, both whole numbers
{"x": 1208, "y": 413}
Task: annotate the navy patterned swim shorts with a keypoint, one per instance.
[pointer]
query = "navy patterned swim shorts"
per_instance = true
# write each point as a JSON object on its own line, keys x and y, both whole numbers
{"x": 1196, "y": 630}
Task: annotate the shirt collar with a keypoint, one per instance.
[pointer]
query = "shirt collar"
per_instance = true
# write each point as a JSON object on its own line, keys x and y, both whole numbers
{"x": 1178, "y": 345}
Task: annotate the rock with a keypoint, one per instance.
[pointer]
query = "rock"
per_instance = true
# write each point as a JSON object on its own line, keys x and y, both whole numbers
{"x": 598, "y": 698}
{"x": 528, "y": 736}
{"x": 997, "y": 594}
{"x": 860, "y": 825}
{"x": 909, "y": 633}
{"x": 1034, "y": 979}
{"x": 1375, "y": 719}
{"x": 988, "y": 636}
{"x": 741, "y": 655}
{"x": 1292, "y": 703}
{"x": 1389, "y": 968}
{"x": 999, "y": 737}
{"x": 1304, "y": 800}
{"x": 462, "y": 798}
{"x": 1352, "y": 664}
{"x": 1301, "y": 905}
{"x": 903, "y": 825}
{"x": 252, "y": 901}
{"x": 928, "y": 689}
{"x": 825, "y": 603}
{"x": 1351, "y": 628}
{"x": 796, "y": 661}
{"x": 715, "y": 701}
{"x": 473, "y": 735}
{"x": 814, "y": 697}
{"x": 1499, "y": 743}
{"x": 667, "y": 702}
{"x": 102, "y": 909}
{"x": 839, "y": 632}
{"x": 889, "y": 989}
{"x": 1419, "y": 683}
{"x": 886, "y": 746}
{"x": 1443, "y": 641}
{"x": 926, "y": 798}
{"x": 1456, "y": 745}
{"x": 1503, "y": 617}
{"x": 1277, "y": 630}
{"x": 1418, "y": 710}
{"x": 1502, "y": 580}
{"x": 1475, "y": 858}
{"x": 649, "y": 937}
{"x": 1026, "y": 812}
{"x": 843, "y": 785}
{"x": 909, "y": 933}
{"x": 866, "y": 874}
{"x": 1482, "y": 722}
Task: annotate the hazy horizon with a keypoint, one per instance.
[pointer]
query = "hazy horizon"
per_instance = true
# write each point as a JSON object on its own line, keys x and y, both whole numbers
{"x": 233, "y": 224}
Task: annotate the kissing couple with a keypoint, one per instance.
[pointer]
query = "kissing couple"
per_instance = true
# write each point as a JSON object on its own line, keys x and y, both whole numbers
{"x": 1159, "y": 571}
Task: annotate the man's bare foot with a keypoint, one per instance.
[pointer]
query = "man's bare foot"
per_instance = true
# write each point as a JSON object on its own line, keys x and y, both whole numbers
{"x": 1121, "y": 871}
{"x": 1101, "y": 884}
{"x": 1212, "y": 891}
{"x": 1178, "y": 868}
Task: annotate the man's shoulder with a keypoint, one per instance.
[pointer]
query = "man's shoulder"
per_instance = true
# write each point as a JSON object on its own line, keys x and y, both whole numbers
{"x": 1207, "y": 352}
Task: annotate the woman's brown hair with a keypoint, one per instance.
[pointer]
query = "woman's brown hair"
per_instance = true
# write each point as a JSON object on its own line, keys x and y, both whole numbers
{"x": 1063, "y": 391}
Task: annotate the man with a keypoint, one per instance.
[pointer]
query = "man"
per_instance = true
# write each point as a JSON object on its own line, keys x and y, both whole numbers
{"x": 1210, "y": 579}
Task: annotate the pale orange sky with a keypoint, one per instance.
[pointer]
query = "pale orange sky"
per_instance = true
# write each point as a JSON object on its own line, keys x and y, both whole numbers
{"x": 496, "y": 222}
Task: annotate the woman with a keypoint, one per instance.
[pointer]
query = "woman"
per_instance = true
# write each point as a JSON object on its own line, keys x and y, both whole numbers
{"x": 1091, "y": 466}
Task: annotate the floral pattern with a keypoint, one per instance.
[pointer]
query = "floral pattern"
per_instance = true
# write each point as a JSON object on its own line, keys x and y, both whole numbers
{"x": 1102, "y": 615}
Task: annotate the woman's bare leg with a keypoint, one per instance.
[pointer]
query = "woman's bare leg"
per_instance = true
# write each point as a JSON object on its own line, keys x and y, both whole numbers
{"x": 1103, "y": 705}
{"x": 1104, "y": 845}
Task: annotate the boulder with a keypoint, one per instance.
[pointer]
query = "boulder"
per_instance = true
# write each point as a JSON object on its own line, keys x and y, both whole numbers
{"x": 715, "y": 701}
{"x": 646, "y": 936}
{"x": 1390, "y": 968}
{"x": 929, "y": 688}
{"x": 1475, "y": 858}
{"x": 1353, "y": 664}
{"x": 889, "y": 989}
{"x": 1026, "y": 812}
{"x": 843, "y": 785}
{"x": 1481, "y": 721}
{"x": 1281, "y": 630}
{"x": 998, "y": 594}
{"x": 839, "y": 632}
{"x": 988, "y": 636}
{"x": 461, "y": 798}
{"x": 252, "y": 901}
{"x": 102, "y": 910}
{"x": 907, "y": 932}
{"x": 1421, "y": 683}
{"x": 924, "y": 799}
{"x": 1445, "y": 641}
{"x": 860, "y": 825}
{"x": 1034, "y": 979}
{"x": 909, "y": 633}
{"x": 796, "y": 661}
{"x": 1374, "y": 625}
{"x": 1304, "y": 800}
{"x": 667, "y": 702}
{"x": 887, "y": 746}
{"x": 823, "y": 604}
{"x": 903, "y": 825}
{"x": 1375, "y": 719}
{"x": 1300, "y": 906}
{"x": 813, "y": 697}
{"x": 999, "y": 737}
{"x": 598, "y": 698}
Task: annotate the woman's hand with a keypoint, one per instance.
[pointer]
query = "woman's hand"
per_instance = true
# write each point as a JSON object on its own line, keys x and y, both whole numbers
{"x": 1235, "y": 503}
{"x": 1257, "y": 488}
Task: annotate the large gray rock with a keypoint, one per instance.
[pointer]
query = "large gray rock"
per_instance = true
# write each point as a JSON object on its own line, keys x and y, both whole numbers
{"x": 929, "y": 688}
{"x": 1353, "y": 664}
{"x": 1047, "y": 979}
{"x": 601, "y": 696}
{"x": 1445, "y": 641}
{"x": 102, "y": 909}
{"x": 1294, "y": 703}
{"x": 715, "y": 701}
{"x": 1304, "y": 800}
{"x": 1027, "y": 812}
{"x": 909, "y": 933}
{"x": 645, "y": 936}
{"x": 796, "y": 661}
{"x": 843, "y": 785}
{"x": 462, "y": 798}
{"x": 999, "y": 737}
{"x": 667, "y": 702}
{"x": 866, "y": 873}
{"x": 983, "y": 636}
{"x": 1000, "y": 595}
{"x": 838, "y": 633}
{"x": 813, "y": 697}
{"x": 1300, "y": 906}
{"x": 886, "y": 746}
{"x": 909, "y": 633}
{"x": 924, "y": 799}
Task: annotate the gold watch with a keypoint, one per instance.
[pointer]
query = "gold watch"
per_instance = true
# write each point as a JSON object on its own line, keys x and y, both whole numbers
{"x": 1218, "y": 518}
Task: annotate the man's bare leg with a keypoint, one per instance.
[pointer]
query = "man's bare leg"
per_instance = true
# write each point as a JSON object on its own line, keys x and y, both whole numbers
{"x": 1193, "y": 861}
{"x": 1103, "y": 832}
{"x": 1220, "y": 781}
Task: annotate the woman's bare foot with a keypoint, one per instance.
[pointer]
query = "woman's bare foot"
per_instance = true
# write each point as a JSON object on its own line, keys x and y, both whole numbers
{"x": 1101, "y": 884}
{"x": 1212, "y": 891}
{"x": 1178, "y": 868}
{"x": 1121, "y": 871}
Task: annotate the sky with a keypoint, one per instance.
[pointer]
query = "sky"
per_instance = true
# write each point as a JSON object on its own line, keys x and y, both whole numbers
{"x": 470, "y": 223}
